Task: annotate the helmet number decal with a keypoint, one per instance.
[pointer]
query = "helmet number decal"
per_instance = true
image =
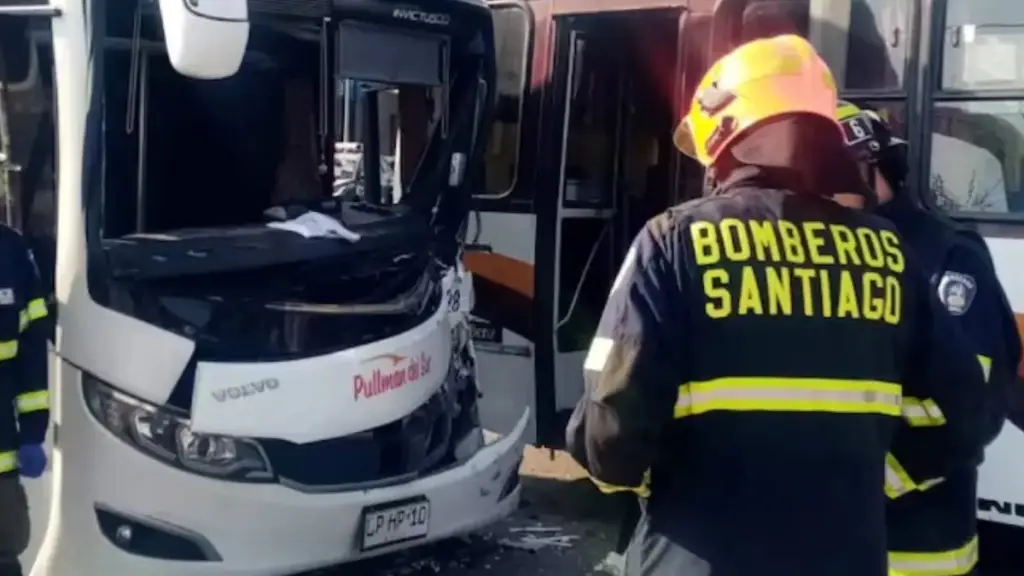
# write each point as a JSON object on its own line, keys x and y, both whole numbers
{"x": 856, "y": 130}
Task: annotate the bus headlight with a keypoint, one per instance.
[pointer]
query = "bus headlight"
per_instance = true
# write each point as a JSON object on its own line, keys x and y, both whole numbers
{"x": 166, "y": 435}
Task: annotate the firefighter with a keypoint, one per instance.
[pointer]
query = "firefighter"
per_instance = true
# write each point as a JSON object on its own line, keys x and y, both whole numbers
{"x": 961, "y": 274}
{"x": 747, "y": 375}
{"x": 23, "y": 387}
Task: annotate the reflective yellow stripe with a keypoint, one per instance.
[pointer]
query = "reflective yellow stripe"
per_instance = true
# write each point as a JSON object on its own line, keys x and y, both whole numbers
{"x": 986, "y": 366}
{"x": 846, "y": 111}
{"x": 788, "y": 395}
{"x": 643, "y": 490}
{"x": 950, "y": 563}
{"x": 8, "y": 461}
{"x": 898, "y": 482}
{"x": 8, "y": 350}
{"x": 33, "y": 401}
{"x": 34, "y": 310}
{"x": 922, "y": 412}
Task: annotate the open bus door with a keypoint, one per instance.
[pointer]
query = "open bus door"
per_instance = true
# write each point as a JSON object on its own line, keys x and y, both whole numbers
{"x": 620, "y": 91}
{"x": 589, "y": 142}
{"x": 27, "y": 182}
{"x": 575, "y": 166}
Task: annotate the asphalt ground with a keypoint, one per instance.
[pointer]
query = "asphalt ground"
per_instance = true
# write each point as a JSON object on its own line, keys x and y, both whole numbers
{"x": 565, "y": 527}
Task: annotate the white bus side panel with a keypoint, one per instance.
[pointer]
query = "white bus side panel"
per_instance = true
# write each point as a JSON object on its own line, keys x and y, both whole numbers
{"x": 1002, "y": 474}
{"x": 503, "y": 254}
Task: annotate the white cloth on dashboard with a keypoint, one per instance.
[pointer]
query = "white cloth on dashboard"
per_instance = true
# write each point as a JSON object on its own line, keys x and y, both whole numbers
{"x": 316, "y": 225}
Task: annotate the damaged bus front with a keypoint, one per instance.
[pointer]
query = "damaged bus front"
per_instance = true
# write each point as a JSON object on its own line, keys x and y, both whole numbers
{"x": 264, "y": 360}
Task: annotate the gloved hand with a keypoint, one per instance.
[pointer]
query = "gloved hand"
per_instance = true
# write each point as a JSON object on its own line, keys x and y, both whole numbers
{"x": 32, "y": 460}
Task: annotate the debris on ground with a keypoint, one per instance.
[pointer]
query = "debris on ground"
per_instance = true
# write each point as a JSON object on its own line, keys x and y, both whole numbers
{"x": 612, "y": 565}
{"x": 528, "y": 539}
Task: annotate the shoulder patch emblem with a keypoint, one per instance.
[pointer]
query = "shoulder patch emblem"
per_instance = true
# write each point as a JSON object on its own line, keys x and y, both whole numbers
{"x": 956, "y": 291}
{"x": 6, "y": 296}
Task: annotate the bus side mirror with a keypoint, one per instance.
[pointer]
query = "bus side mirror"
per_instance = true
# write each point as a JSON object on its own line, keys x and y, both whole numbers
{"x": 205, "y": 39}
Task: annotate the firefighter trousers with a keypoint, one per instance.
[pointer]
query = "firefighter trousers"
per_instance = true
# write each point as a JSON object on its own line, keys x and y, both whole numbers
{"x": 14, "y": 524}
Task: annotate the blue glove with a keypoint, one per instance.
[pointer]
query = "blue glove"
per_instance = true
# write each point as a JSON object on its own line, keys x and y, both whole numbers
{"x": 32, "y": 460}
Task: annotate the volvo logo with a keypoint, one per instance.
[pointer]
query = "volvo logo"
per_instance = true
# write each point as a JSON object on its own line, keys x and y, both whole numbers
{"x": 413, "y": 15}
{"x": 250, "y": 389}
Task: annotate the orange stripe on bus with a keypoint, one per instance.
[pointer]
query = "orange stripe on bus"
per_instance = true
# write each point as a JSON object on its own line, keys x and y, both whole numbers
{"x": 1020, "y": 330}
{"x": 509, "y": 272}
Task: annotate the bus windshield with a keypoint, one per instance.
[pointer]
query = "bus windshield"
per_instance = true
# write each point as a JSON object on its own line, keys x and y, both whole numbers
{"x": 188, "y": 153}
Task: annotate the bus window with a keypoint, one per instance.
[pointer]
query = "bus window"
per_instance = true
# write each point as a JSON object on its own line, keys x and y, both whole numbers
{"x": 872, "y": 56}
{"x": 511, "y": 37}
{"x": 982, "y": 44}
{"x": 879, "y": 43}
{"x": 977, "y": 156}
{"x": 593, "y": 100}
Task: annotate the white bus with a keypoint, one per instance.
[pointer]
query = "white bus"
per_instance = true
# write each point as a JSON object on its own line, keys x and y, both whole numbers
{"x": 581, "y": 155}
{"x": 255, "y": 373}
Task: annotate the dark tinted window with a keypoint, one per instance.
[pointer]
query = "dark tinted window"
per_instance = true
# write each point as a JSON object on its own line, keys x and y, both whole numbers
{"x": 511, "y": 36}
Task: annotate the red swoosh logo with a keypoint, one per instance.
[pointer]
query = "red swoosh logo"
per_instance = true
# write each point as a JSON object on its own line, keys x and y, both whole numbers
{"x": 393, "y": 358}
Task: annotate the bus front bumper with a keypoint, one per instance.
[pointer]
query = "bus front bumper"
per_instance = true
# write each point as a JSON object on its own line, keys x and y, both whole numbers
{"x": 118, "y": 511}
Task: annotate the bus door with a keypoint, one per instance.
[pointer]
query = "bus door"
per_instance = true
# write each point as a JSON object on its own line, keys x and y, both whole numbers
{"x": 614, "y": 84}
{"x": 589, "y": 63}
{"x": 27, "y": 175}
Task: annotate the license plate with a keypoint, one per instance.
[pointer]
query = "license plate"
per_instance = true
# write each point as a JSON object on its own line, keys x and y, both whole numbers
{"x": 394, "y": 522}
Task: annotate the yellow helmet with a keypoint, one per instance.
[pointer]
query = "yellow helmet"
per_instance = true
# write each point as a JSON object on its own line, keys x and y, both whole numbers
{"x": 760, "y": 80}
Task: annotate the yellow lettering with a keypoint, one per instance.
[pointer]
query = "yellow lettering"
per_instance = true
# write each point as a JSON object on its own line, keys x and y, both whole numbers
{"x": 893, "y": 300}
{"x": 791, "y": 242}
{"x": 828, "y": 289}
{"x": 871, "y": 247}
{"x": 765, "y": 241}
{"x": 704, "y": 236}
{"x": 750, "y": 296}
{"x": 780, "y": 294}
{"x": 847, "y": 305}
{"x": 734, "y": 238}
{"x": 719, "y": 304}
{"x": 872, "y": 305}
{"x": 826, "y": 293}
{"x": 806, "y": 275}
{"x": 893, "y": 254}
{"x": 846, "y": 245}
{"x": 815, "y": 232}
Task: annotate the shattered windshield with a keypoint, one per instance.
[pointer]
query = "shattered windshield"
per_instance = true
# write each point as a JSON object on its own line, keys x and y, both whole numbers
{"x": 406, "y": 118}
{"x": 294, "y": 125}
